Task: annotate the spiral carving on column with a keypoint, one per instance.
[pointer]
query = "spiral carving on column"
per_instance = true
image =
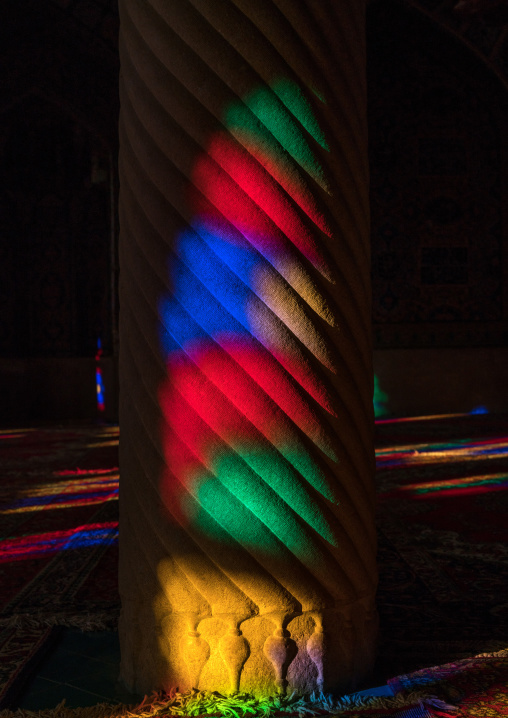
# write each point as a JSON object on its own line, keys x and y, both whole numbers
{"x": 245, "y": 230}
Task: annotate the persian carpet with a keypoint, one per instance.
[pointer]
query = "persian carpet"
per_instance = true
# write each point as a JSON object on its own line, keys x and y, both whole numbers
{"x": 443, "y": 550}
{"x": 473, "y": 687}
{"x": 443, "y": 540}
{"x": 58, "y": 552}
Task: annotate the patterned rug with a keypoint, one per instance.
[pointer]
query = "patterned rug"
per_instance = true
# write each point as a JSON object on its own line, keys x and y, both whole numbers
{"x": 473, "y": 688}
{"x": 58, "y": 542}
{"x": 443, "y": 540}
{"x": 443, "y": 544}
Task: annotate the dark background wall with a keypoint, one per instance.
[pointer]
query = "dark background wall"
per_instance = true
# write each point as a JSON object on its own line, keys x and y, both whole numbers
{"x": 438, "y": 125}
{"x": 58, "y": 147}
{"x": 438, "y": 114}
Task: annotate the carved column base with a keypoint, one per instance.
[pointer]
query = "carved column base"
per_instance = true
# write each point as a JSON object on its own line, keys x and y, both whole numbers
{"x": 330, "y": 651}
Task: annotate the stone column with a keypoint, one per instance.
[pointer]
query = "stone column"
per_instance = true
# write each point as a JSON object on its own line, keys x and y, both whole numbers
{"x": 247, "y": 506}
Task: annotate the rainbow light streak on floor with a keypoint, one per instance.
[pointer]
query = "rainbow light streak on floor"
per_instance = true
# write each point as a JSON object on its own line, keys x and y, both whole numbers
{"x": 86, "y": 490}
{"x": 108, "y": 436}
{"x": 36, "y": 545}
{"x": 453, "y": 487}
{"x": 441, "y": 453}
{"x": 430, "y": 417}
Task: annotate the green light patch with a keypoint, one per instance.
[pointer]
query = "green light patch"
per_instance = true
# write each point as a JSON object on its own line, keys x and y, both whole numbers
{"x": 264, "y": 115}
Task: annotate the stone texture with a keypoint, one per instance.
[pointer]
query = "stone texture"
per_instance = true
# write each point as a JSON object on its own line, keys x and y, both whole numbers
{"x": 247, "y": 509}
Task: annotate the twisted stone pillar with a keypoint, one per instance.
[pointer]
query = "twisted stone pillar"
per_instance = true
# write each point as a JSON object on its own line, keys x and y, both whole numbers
{"x": 247, "y": 507}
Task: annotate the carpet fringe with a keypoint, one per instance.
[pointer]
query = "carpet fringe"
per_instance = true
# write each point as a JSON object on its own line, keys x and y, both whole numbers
{"x": 200, "y": 703}
{"x": 495, "y": 654}
{"x": 438, "y": 708}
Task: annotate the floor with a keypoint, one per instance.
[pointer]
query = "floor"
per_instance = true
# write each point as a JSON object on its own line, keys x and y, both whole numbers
{"x": 83, "y": 668}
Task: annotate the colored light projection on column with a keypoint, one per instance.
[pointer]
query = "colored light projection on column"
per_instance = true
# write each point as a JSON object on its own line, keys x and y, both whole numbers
{"x": 380, "y": 400}
{"x": 242, "y": 331}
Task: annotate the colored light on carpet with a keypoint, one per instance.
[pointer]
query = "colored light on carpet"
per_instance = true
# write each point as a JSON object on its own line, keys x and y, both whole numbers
{"x": 102, "y": 444}
{"x": 465, "y": 450}
{"x": 64, "y": 473}
{"x": 453, "y": 487}
{"x": 33, "y": 546}
{"x": 415, "y": 419}
{"x": 427, "y": 417}
{"x": 65, "y": 494}
{"x": 108, "y": 436}
{"x": 476, "y": 687}
{"x": 374, "y": 703}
